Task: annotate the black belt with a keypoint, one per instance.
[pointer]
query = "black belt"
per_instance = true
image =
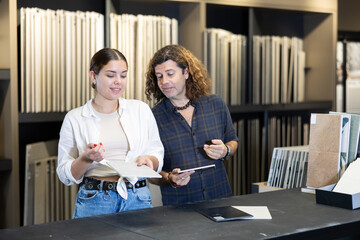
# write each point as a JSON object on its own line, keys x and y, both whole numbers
{"x": 94, "y": 184}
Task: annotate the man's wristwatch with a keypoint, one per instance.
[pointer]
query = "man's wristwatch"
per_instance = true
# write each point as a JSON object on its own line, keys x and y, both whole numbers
{"x": 227, "y": 153}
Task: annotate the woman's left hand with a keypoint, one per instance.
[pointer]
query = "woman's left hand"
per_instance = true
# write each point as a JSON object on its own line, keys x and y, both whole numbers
{"x": 216, "y": 150}
{"x": 145, "y": 160}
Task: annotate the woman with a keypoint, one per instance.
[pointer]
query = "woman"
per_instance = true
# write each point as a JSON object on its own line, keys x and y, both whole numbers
{"x": 126, "y": 129}
{"x": 195, "y": 127}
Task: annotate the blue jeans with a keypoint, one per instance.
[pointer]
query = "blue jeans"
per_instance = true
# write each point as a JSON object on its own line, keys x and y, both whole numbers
{"x": 96, "y": 202}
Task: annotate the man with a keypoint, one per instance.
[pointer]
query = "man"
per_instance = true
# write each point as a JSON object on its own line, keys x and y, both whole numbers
{"x": 195, "y": 127}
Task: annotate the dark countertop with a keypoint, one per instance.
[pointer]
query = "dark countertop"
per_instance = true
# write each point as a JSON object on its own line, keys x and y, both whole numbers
{"x": 295, "y": 215}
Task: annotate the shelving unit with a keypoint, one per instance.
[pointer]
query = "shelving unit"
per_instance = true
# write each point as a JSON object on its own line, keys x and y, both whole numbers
{"x": 313, "y": 21}
{"x": 45, "y": 126}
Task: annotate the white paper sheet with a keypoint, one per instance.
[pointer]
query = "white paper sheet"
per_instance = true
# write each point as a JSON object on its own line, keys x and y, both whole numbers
{"x": 348, "y": 183}
{"x": 259, "y": 212}
{"x": 130, "y": 169}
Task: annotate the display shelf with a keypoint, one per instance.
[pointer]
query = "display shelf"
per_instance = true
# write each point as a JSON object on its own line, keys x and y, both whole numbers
{"x": 4, "y": 74}
{"x": 5, "y": 165}
{"x": 41, "y": 117}
{"x": 239, "y": 109}
{"x": 306, "y": 106}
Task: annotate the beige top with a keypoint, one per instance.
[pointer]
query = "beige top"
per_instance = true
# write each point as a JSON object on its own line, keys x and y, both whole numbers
{"x": 114, "y": 141}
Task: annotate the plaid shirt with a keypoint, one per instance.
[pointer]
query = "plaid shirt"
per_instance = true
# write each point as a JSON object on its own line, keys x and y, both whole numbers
{"x": 184, "y": 148}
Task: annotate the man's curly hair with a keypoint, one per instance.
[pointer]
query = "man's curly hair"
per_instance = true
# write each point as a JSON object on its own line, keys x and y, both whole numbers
{"x": 198, "y": 83}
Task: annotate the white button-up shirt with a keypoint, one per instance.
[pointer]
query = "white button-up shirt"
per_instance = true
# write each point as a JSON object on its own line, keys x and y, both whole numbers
{"x": 81, "y": 127}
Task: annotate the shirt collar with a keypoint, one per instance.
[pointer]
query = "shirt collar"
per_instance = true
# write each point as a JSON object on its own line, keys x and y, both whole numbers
{"x": 169, "y": 106}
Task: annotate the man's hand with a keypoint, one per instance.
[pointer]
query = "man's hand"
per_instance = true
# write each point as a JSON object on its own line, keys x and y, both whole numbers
{"x": 216, "y": 150}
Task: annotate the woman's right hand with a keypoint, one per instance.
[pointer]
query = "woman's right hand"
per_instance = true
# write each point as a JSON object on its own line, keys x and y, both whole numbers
{"x": 94, "y": 152}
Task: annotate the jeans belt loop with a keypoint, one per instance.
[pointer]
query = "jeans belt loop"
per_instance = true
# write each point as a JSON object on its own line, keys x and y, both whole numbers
{"x": 101, "y": 184}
